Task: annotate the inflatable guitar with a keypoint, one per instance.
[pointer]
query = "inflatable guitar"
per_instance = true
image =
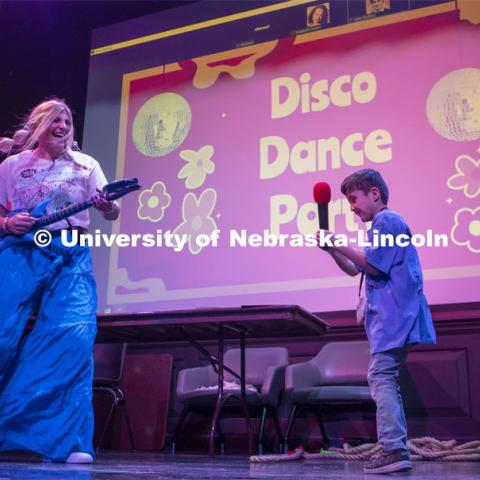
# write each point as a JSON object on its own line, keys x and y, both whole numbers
{"x": 110, "y": 192}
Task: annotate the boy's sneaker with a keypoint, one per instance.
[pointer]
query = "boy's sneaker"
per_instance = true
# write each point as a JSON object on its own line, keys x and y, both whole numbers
{"x": 389, "y": 462}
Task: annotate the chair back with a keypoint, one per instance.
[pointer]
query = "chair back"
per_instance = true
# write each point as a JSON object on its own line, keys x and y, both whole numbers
{"x": 108, "y": 361}
{"x": 343, "y": 363}
{"x": 257, "y": 362}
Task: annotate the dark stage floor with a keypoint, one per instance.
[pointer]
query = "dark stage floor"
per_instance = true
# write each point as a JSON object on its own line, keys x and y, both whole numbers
{"x": 132, "y": 466}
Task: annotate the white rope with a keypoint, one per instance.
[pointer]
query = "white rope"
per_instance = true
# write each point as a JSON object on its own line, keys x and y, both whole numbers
{"x": 421, "y": 449}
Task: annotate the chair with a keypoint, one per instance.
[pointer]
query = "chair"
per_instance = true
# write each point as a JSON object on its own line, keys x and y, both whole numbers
{"x": 336, "y": 378}
{"x": 108, "y": 372}
{"x": 264, "y": 369}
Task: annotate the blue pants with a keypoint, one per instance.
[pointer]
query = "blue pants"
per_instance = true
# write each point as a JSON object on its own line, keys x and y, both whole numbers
{"x": 46, "y": 375}
{"x": 383, "y": 378}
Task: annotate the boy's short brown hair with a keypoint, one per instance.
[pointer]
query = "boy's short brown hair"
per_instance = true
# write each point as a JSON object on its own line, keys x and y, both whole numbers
{"x": 364, "y": 180}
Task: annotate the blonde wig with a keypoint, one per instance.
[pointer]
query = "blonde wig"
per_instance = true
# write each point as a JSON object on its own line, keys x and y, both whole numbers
{"x": 40, "y": 119}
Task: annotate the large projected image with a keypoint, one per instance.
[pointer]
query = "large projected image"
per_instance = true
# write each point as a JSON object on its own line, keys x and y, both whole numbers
{"x": 228, "y": 147}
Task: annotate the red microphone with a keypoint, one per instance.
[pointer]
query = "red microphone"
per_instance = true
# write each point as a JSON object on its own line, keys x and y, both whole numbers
{"x": 322, "y": 196}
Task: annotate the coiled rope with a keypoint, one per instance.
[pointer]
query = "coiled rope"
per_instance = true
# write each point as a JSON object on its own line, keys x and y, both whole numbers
{"x": 421, "y": 449}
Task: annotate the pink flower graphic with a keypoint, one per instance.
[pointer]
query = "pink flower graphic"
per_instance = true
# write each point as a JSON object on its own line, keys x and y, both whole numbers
{"x": 196, "y": 217}
{"x": 467, "y": 177}
{"x": 153, "y": 202}
{"x": 466, "y": 231}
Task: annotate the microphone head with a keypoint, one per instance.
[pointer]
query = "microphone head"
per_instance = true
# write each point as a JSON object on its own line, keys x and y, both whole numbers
{"x": 322, "y": 193}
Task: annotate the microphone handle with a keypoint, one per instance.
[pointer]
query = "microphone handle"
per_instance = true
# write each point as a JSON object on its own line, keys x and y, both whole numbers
{"x": 323, "y": 215}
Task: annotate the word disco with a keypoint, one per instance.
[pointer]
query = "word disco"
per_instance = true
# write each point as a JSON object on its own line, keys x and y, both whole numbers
{"x": 311, "y": 156}
{"x": 266, "y": 239}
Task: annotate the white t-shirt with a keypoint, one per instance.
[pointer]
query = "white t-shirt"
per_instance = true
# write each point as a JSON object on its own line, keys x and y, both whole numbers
{"x": 26, "y": 180}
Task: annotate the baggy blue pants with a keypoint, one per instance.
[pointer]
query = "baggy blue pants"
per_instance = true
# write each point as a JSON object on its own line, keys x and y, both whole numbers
{"x": 46, "y": 375}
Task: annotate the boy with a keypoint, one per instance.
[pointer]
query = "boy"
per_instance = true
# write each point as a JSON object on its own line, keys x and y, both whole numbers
{"x": 396, "y": 315}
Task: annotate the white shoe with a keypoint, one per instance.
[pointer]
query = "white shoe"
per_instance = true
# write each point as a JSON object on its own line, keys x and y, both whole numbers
{"x": 79, "y": 457}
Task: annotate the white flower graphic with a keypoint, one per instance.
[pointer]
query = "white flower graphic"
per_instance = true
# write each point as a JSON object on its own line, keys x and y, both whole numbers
{"x": 466, "y": 231}
{"x": 197, "y": 218}
{"x": 198, "y": 166}
{"x": 467, "y": 177}
{"x": 153, "y": 202}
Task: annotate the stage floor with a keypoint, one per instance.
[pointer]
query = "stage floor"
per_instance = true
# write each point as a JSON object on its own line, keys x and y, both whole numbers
{"x": 136, "y": 466}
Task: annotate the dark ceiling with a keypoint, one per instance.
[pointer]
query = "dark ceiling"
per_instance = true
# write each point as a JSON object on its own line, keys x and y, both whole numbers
{"x": 45, "y": 47}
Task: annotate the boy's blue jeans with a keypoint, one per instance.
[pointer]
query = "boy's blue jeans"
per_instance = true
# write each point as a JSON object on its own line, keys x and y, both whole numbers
{"x": 383, "y": 379}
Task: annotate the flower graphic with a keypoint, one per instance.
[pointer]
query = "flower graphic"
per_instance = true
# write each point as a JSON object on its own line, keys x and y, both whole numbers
{"x": 466, "y": 231}
{"x": 467, "y": 177}
{"x": 196, "y": 217}
{"x": 199, "y": 164}
{"x": 153, "y": 202}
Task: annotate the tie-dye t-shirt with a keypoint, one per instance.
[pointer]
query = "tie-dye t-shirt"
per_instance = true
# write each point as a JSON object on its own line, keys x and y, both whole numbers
{"x": 26, "y": 180}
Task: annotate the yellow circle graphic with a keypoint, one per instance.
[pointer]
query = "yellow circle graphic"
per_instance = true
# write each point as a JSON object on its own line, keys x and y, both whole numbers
{"x": 162, "y": 124}
{"x": 453, "y": 105}
{"x": 474, "y": 228}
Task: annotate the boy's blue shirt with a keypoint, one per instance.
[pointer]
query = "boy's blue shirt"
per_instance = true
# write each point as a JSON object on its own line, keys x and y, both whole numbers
{"x": 397, "y": 312}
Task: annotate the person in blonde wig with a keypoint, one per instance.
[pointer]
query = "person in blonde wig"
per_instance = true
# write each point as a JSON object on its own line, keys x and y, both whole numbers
{"x": 39, "y": 121}
{"x": 46, "y": 376}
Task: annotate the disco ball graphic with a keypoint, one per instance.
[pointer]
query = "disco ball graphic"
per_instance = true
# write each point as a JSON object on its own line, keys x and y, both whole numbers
{"x": 162, "y": 124}
{"x": 453, "y": 105}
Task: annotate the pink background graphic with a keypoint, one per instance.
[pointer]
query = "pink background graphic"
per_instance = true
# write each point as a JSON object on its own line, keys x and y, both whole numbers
{"x": 229, "y": 96}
